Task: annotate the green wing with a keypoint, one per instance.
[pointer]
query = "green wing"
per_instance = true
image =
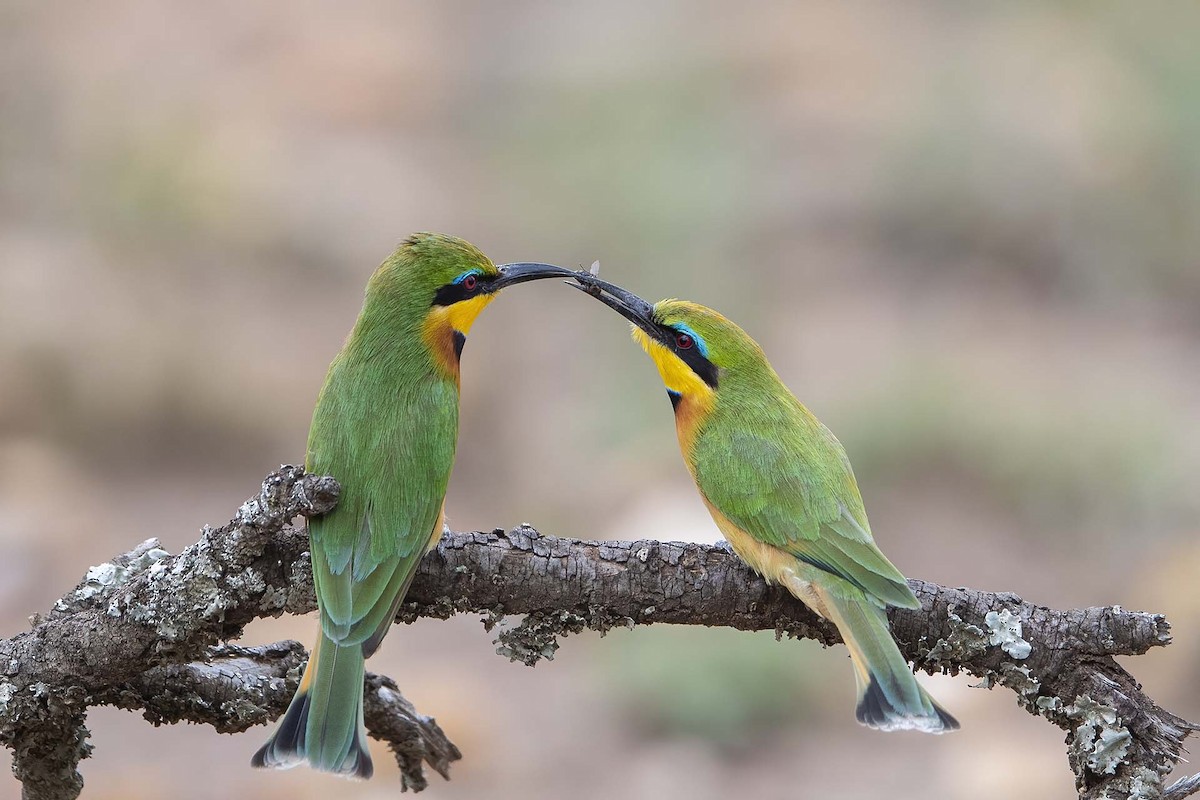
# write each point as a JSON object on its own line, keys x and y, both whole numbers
{"x": 392, "y": 451}
{"x": 785, "y": 480}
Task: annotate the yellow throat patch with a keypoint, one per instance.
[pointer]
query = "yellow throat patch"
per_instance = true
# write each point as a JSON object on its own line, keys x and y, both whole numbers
{"x": 696, "y": 397}
{"x": 461, "y": 315}
{"x": 443, "y": 321}
{"x": 676, "y": 375}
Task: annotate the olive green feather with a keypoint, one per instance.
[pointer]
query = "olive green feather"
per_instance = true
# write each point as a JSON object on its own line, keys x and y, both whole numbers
{"x": 786, "y": 481}
{"x": 385, "y": 425}
{"x": 781, "y": 488}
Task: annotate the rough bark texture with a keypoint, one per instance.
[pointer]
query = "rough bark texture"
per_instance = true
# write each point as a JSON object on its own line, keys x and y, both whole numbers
{"x": 149, "y": 631}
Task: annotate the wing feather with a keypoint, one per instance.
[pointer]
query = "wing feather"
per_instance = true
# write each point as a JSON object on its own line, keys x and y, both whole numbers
{"x": 392, "y": 451}
{"x": 786, "y": 481}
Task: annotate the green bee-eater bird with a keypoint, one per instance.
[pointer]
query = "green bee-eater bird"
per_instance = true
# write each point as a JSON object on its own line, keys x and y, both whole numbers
{"x": 780, "y": 488}
{"x": 385, "y": 425}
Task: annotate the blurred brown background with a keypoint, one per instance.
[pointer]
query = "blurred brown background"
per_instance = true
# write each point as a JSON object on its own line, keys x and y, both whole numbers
{"x": 966, "y": 234}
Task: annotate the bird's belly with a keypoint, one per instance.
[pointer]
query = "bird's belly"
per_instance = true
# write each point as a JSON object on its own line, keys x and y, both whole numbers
{"x": 776, "y": 565}
{"x": 439, "y": 528}
{"x": 772, "y": 563}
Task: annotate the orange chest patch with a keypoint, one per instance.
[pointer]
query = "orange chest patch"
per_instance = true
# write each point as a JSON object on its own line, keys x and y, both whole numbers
{"x": 690, "y": 412}
{"x": 445, "y": 344}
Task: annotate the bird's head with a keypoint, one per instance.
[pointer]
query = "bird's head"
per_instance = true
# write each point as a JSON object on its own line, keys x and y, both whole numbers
{"x": 442, "y": 283}
{"x": 454, "y": 278}
{"x": 694, "y": 347}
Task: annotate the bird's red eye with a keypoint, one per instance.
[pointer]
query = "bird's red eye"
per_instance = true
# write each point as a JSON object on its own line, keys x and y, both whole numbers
{"x": 469, "y": 282}
{"x": 683, "y": 341}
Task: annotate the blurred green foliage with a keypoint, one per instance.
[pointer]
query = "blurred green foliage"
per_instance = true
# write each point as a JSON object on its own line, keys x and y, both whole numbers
{"x": 972, "y": 188}
{"x": 729, "y": 689}
{"x": 1085, "y": 470}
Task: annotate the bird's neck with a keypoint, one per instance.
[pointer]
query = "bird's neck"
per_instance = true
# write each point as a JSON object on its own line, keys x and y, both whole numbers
{"x": 741, "y": 400}
{"x": 445, "y": 330}
{"x": 444, "y": 342}
{"x": 409, "y": 344}
{"x": 692, "y": 411}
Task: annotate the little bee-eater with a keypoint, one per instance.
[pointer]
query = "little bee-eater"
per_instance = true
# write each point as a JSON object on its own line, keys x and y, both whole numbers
{"x": 780, "y": 488}
{"x": 385, "y": 425}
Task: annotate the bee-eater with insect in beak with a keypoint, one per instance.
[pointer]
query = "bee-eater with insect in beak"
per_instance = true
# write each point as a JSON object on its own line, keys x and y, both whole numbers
{"x": 779, "y": 486}
{"x": 385, "y": 425}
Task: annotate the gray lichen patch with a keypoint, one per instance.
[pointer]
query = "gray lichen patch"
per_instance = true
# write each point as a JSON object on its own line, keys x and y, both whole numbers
{"x": 1021, "y": 681}
{"x": 102, "y": 579}
{"x": 602, "y": 620}
{"x": 1048, "y": 705}
{"x": 786, "y": 627}
{"x": 965, "y": 642}
{"x": 537, "y": 636}
{"x": 98, "y": 581}
{"x": 188, "y": 592}
{"x": 144, "y": 556}
{"x": 7, "y": 690}
{"x": 274, "y": 599}
{"x": 1004, "y": 629}
{"x": 1111, "y": 746}
{"x": 1099, "y": 740}
{"x": 443, "y": 607}
{"x": 1144, "y": 784}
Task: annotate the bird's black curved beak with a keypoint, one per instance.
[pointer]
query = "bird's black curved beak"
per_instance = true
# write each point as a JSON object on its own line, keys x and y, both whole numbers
{"x": 526, "y": 271}
{"x": 627, "y": 304}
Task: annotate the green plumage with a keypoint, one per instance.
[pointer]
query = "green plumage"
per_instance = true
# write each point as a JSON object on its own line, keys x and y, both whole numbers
{"x": 768, "y": 465}
{"x": 780, "y": 487}
{"x": 328, "y": 719}
{"x": 765, "y": 463}
{"x": 385, "y": 425}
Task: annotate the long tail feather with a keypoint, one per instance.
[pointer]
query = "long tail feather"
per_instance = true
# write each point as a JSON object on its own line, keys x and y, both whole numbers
{"x": 889, "y": 697}
{"x": 323, "y": 726}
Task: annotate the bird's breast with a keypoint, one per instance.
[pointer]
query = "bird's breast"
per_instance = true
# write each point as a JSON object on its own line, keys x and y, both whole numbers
{"x": 772, "y": 563}
{"x": 691, "y": 411}
{"x": 445, "y": 343}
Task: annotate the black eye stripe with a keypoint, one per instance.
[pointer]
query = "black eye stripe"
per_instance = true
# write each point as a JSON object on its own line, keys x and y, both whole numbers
{"x": 453, "y": 293}
{"x": 705, "y": 369}
{"x": 701, "y": 366}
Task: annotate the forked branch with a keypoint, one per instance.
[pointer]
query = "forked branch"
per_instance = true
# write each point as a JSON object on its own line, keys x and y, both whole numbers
{"x": 150, "y": 631}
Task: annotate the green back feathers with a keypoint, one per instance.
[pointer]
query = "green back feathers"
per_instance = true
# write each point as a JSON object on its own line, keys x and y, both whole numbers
{"x": 385, "y": 426}
{"x": 781, "y": 489}
{"x": 765, "y": 462}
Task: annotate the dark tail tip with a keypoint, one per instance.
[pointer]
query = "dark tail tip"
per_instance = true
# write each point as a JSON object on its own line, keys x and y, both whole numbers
{"x": 287, "y": 747}
{"x": 877, "y": 710}
{"x": 361, "y": 767}
{"x": 949, "y": 723}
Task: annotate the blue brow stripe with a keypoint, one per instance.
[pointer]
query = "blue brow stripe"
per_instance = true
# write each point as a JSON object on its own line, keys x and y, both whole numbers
{"x": 700, "y": 344}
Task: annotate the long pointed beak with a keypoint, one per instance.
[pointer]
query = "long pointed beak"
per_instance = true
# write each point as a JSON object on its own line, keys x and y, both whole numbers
{"x": 627, "y": 304}
{"x": 527, "y": 271}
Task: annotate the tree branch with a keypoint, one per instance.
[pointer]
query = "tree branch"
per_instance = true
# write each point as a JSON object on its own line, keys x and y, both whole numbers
{"x": 149, "y": 631}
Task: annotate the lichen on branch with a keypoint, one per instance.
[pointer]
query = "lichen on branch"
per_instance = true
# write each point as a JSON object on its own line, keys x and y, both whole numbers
{"x": 151, "y": 631}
